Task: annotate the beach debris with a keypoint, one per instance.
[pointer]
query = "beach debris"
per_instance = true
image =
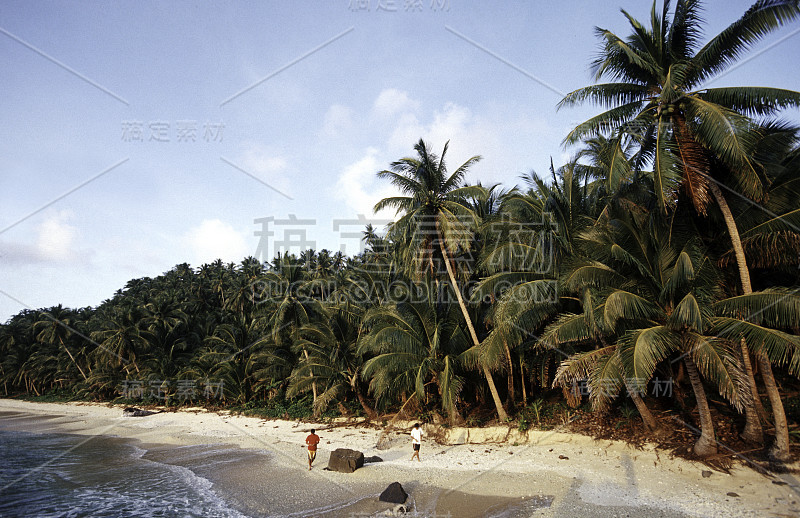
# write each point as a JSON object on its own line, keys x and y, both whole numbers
{"x": 731, "y": 493}
{"x": 374, "y": 458}
{"x": 779, "y": 482}
{"x": 705, "y": 473}
{"x": 394, "y": 494}
{"x": 136, "y": 412}
{"x": 398, "y": 510}
{"x": 563, "y": 457}
{"x": 345, "y": 460}
{"x": 384, "y": 442}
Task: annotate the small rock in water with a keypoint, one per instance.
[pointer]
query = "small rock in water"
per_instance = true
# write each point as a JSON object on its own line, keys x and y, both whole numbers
{"x": 706, "y": 473}
{"x": 731, "y": 493}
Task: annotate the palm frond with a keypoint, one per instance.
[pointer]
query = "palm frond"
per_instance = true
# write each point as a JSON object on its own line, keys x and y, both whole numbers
{"x": 728, "y": 46}
{"x": 718, "y": 362}
{"x": 641, "y": 350}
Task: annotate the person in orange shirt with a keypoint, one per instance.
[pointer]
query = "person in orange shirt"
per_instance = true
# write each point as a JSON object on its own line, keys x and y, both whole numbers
{"x": 312, "y": 440}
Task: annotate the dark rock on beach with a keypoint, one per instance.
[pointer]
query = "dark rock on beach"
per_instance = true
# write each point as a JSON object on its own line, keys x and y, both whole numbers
{"x": 344, "y": 460}
{"x": 136, "y": 412}
{"x": 374, "y": 458}
{"x": 394, "y": 494}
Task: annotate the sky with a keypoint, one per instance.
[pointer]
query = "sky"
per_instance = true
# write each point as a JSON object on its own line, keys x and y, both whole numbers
{"x": 136, "y": 136}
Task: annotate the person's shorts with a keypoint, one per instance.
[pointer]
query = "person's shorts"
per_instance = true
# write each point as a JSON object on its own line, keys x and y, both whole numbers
{"x": 416, "y": 447}
{"x": 312, "y": 454}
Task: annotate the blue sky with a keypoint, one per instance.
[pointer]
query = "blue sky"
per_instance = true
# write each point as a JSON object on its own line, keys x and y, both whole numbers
{"x": 131, "y": 109}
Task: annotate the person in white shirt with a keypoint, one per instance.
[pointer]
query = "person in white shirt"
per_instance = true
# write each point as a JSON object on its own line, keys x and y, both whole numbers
{"x": 416, "y": 441}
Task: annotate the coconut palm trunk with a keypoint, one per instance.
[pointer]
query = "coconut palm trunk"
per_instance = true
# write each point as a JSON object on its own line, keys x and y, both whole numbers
{"x": 313, "y": 386}
{"x": 780, "y": 449}
{"x": 501, "y": 412}
{"x": 511, "y": 393}
{"x": 706, "y": 444}
{"x": 753, "y": 409}
{"x": 72, "y": 358}
{"x": 647, "y": 416}
{"x": 371, "y": 414}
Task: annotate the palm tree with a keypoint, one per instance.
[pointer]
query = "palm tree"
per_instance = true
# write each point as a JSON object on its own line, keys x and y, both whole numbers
{"x": 697, "y": 138}
{"x": 121, "y": 339}
{"x": 289, "y": 306}
{"x": 332, "y": 361}
{"x": 54, "y": 326}
{"x": 435, "y": 214}
{"x": 647, "y": 290}
{"x": 233, "y": 347}
{"x": 415, "y": 344}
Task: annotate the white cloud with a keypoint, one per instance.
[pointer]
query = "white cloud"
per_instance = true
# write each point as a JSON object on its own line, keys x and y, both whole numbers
{"x": 268, "y": 166}
{"x": 55, "y": 242}
{"x": 469, "y": 134}
{"x": 56, "y": 237}
{"x": 391, "y": 101}
{"x": 358, "y": 185}
{"x": 338, "y": 120}
{"x": 214, "y": 239}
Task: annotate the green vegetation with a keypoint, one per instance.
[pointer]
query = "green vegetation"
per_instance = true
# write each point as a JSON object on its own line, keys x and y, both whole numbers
{"x": 666, "y": 250}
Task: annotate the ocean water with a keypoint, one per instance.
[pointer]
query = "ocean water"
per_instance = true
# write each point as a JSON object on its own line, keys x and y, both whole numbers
{"x": 59, "y": 475}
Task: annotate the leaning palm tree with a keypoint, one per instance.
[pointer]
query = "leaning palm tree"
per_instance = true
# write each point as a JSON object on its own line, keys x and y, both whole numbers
{"x": 523, "y": 246}
{"x": 697, "y": 138}
{"x": 121, "y": 339}
{"x": 55, "y": 326}
{"x": 435, "y": 214}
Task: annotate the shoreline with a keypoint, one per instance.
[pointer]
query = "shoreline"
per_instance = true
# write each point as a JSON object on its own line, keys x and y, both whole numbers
{"x": 597, "y": 478}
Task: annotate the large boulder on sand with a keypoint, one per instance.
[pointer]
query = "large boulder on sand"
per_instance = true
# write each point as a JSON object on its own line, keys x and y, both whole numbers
{"x": 345, "y": 460}
{"x": 394, "y": 494}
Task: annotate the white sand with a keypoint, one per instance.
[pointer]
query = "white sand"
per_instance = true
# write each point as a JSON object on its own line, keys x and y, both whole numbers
{"x": 605, "y": 478}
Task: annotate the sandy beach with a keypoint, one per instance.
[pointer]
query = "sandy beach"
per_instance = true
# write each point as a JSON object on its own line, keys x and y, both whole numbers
{"x": 477, "y": 472}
